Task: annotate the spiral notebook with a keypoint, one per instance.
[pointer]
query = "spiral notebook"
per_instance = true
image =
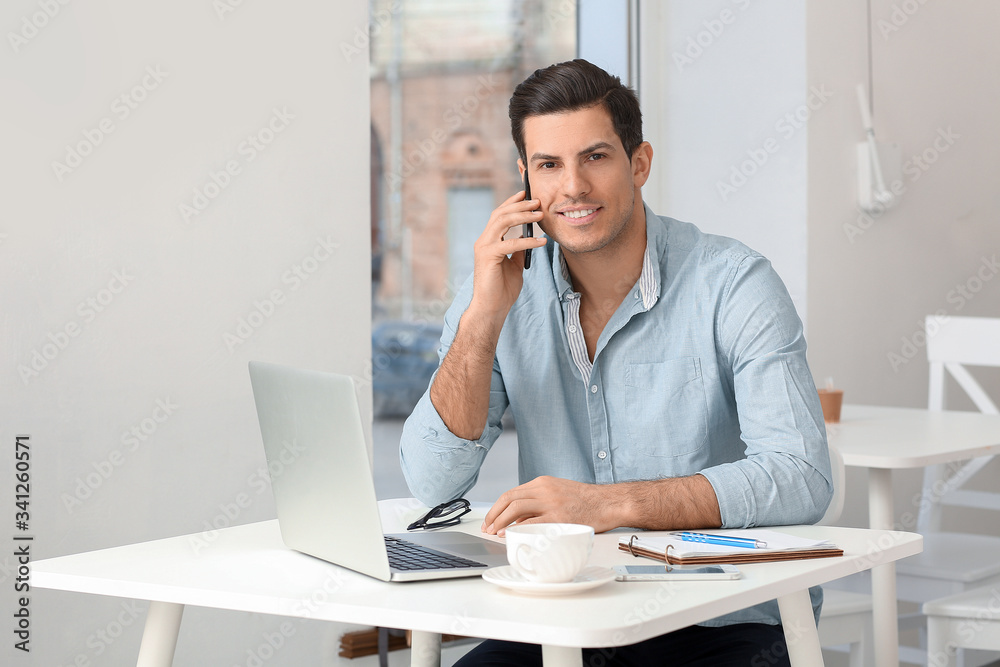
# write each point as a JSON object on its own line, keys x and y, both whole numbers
{"x": 779, "y": 546}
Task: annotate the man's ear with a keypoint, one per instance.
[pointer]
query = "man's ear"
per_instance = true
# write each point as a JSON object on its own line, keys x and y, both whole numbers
{"x": 520, "y": 168}
{"x": 642, "y": 162}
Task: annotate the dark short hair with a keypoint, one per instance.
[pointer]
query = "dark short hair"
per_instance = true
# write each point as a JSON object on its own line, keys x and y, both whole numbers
{"x": 570, "y": 86}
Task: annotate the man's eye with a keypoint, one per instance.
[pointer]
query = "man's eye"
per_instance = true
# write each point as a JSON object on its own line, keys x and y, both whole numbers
{"x": 596, "y": 156}
{"x": 547, "y": 165}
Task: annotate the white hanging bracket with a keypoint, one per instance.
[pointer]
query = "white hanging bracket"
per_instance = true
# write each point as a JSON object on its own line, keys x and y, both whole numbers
{"x": 874, "y": 196}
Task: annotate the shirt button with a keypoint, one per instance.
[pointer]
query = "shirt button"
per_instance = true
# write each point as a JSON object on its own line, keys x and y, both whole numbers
{"x": 637, "y": 295}
{"x": 593, "y": 389}
{"x": 572, "y": 328}
{"x": 602, "y": 455}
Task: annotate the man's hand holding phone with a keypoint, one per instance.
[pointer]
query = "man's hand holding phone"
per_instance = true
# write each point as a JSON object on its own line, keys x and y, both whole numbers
{"x": 498, "y": 278}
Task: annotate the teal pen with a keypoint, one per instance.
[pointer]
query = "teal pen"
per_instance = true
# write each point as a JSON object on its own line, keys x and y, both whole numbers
{"x": 722, "y": 540}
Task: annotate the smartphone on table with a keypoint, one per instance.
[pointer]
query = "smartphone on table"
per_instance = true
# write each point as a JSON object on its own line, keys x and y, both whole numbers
{"x": 676, "y": 572}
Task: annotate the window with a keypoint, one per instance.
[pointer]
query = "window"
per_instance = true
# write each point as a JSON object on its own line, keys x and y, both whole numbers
{"x": 442, "y": 72}
{"x": 467, "y": 209}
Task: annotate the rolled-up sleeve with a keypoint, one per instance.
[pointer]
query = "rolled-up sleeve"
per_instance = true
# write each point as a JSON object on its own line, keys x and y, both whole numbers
{"x": 438, "y": 465}
{"x": 785, "y": 477}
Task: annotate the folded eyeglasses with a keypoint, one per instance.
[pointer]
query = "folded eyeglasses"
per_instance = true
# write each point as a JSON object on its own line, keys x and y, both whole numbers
{"x": 445, "y": 514}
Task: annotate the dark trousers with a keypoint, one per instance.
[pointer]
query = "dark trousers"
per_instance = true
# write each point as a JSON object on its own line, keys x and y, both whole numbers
{"x": 743, "y": 645}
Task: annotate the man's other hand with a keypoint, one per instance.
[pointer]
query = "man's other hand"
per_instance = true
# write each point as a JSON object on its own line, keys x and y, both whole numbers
{"x": 555, "y": 500}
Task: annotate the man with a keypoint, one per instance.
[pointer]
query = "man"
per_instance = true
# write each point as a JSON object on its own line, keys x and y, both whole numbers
{"x": 657, "y": 375}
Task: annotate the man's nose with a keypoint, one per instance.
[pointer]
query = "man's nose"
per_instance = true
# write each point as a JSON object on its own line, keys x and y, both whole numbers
{"x": 575, "y": 183}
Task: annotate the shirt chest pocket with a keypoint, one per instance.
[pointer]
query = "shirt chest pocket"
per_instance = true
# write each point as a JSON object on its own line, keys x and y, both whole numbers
{"x": 667, "y": 408}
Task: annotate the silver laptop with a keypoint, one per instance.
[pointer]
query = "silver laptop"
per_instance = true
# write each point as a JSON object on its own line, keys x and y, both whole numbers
{"x": 310, "y": 423}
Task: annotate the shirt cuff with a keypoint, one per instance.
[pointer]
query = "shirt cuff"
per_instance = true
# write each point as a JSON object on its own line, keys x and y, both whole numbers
{"x": 432, "y": 430}
{"x": 737, "y": 504}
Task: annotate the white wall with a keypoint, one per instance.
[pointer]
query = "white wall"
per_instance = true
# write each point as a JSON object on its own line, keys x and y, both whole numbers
{"x": 724, "y": 98}
{"x": 872, "y": 281}
{"x": 120, "y": 316}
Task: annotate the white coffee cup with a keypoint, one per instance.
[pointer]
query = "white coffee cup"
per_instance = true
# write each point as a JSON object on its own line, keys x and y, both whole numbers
{"x": 549, "y": 552}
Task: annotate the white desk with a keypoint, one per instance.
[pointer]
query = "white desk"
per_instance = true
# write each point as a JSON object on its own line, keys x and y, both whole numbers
{"x": 247, "y": 568}
{"x": 884, "y": 439}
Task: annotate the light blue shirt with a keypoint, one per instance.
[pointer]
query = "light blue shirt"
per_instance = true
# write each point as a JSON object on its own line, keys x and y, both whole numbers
{"x": 701, "y": 369}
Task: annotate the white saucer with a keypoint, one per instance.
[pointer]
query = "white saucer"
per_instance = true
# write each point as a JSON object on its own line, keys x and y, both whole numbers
{"x": 589, "y": 577}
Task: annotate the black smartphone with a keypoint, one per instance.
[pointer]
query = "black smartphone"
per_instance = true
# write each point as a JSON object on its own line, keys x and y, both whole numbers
{"x": 528, "y": 228}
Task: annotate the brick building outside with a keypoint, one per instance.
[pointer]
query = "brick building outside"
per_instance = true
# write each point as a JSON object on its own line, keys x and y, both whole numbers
{"x": 442, "y": 157}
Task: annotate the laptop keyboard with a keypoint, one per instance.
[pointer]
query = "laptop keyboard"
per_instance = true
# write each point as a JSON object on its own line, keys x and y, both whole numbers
{"x": 405, "y": 555}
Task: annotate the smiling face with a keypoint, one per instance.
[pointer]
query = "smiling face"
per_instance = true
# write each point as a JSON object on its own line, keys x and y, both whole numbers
{"x": 587, "y": 185}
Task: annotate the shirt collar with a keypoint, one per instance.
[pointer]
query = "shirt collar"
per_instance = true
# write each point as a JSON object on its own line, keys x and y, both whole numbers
{"x": 649, "y": 277}
{"x": 560, "y": 272}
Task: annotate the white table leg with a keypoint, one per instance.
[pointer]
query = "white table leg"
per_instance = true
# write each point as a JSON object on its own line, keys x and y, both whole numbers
{"x": 880, "y": 501}
{"x": 561, "y": 656}
{"x": 425, "y": 649}
{"x": 799, "y": 625}
{"x": 159, "y": 636}
{"x": 884, "y": 607}
{"x": 938, "y": 653}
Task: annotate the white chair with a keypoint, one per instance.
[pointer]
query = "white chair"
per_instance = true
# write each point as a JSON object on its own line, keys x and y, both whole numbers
{"x": 953, "y": 562}
{"x": 969, "y": 620}
{"x": 846, "y": 618}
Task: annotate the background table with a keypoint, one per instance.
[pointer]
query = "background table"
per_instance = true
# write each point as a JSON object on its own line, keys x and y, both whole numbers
{"x": 247, "y": 568}
{"x": 884, "y": 439}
